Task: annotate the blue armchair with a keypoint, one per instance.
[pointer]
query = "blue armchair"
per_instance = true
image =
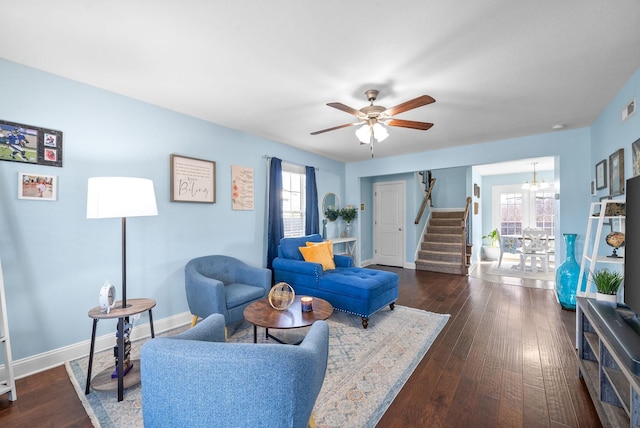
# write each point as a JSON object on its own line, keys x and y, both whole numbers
{"x": 355, "y": 290}
{"x": 223, "y": 285}
{"x": 194, "y": 380}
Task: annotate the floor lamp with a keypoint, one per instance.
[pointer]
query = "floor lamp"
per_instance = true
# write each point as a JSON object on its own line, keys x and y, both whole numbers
{"x": 109, "y": 197}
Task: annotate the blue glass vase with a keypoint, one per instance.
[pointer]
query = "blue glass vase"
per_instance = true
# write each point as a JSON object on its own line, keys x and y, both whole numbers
{"x": 567, "y": 274}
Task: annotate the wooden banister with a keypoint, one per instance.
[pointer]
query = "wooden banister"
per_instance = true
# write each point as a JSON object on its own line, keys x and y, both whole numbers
{"x": 464, "y": 231}
{"x": 425, "y": 201}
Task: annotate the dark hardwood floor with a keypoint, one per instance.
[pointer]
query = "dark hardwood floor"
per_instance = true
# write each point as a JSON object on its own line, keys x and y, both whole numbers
{"x": 506, "y": 358}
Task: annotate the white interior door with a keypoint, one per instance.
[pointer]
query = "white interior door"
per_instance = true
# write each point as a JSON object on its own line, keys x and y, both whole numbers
{"x": 388, "y": 223}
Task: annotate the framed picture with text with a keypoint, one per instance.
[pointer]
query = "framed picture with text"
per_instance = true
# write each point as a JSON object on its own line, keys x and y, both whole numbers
{"x": 192, "y": 180}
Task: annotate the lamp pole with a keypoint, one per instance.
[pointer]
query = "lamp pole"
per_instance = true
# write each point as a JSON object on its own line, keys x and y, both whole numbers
{"x": 124, "y": 262}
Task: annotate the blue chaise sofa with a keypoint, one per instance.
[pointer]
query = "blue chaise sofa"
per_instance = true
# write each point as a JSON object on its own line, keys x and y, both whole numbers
{"x": 355, "y": 290}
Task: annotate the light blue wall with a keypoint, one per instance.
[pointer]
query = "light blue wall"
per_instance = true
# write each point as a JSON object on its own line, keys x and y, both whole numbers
{"x": 55, "y": 260}
{"x": 572, "y": 148}
{"x": 609, "y": 133}
{"x": 451, "y": 188}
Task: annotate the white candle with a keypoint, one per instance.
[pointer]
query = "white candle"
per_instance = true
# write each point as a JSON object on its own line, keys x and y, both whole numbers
{"x": 306, "y": 304}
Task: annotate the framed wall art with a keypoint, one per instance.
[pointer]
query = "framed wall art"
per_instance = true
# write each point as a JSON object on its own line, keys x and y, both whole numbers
{"x": 242, "y": 189}
{"x": 192, "y": 180}
{"x": 601, "y": 175}
{"x": 38, "y": 187}
{"x": 30, "y": 144}
{"x": 635, "y": 156}
{"x": 616, "y": 173}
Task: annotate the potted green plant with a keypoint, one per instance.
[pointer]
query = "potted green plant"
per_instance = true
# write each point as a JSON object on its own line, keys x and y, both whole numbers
{"x": 607, "y": 283}
{"x": 492, "y": 237}
{"x": 332, "y": 214}
{"x": 491, "y": 251}
{"x": 348, "y": 214}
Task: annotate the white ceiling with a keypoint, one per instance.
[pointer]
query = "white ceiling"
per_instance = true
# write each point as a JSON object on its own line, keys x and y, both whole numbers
{"x": 497, "y": 68}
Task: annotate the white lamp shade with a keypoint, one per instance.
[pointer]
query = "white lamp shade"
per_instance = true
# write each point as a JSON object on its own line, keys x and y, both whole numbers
{"x": 109, "y": 197}
{"x": 380, "y": 132}
{"x": 364, "y": 134}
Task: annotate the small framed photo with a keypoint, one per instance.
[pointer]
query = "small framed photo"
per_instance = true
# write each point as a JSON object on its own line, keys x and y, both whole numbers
{"x": 38, "y": 187}
{"x": 616, "y": 173}
{"x": 601, "y": 175}
{"x": 593, "y": 188}
{"x": 192, "y": 180}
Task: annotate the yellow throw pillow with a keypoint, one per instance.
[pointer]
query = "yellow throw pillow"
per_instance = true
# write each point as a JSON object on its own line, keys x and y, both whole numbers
{"x": 328, "y": 244}
{"x": 318, "y": 254}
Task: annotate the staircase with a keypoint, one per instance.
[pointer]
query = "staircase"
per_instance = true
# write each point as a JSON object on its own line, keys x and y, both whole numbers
{"x": 444, "y": 244}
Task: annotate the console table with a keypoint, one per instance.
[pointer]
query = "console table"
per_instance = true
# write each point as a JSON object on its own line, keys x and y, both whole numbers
{"x": 103, "y": 380}
{"x": 350, "y": 246}
{"x": 609, "y": 357}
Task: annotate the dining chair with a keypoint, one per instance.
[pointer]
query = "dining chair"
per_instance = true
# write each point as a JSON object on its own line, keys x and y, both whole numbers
{"x": 508, "y": 244}
{"x": 535, "y": 245}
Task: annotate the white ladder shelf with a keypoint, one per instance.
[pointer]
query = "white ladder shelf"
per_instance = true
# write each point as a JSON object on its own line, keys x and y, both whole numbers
{"x": 8, "y": 384}
{"x": 592, "y": 240}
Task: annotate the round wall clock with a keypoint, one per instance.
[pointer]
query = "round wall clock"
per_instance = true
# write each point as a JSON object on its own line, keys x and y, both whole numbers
{"x": 107, "y": 297}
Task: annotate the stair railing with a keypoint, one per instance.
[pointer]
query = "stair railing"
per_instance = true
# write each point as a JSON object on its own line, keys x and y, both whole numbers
{"x": 425, "y": 201}
{"x": 465, "y": 228}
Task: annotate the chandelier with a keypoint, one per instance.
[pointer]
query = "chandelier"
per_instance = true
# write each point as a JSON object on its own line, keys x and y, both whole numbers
{"x": 535, "y": 185}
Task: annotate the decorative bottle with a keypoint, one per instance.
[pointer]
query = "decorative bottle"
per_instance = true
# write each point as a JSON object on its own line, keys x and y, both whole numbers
{"x": 567, "y": 274}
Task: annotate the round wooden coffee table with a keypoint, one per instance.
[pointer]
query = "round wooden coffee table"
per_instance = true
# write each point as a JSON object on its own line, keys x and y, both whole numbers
{"x": 261, "y": 314}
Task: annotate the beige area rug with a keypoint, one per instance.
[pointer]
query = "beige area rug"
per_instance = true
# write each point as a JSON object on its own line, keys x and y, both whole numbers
{"x": 365, "y": 371}
{"x": 513, "y": 269}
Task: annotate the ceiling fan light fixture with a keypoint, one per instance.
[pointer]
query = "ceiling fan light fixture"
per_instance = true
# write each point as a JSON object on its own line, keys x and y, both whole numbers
{"x": 380, "y": 133}
{"x": 364, "y": 134}
{"x": 367, "y": 132}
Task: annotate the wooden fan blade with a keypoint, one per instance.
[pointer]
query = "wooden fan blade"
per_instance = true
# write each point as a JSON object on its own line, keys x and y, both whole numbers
{"x": 410, "y": 124}
{"x": 345, "y": 108}
{"x": 346, "y": 125}
{"x": 411, "y": 104}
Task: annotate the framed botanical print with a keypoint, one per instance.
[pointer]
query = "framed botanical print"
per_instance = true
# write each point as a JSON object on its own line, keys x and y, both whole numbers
{"x": 616, "y": 173}
{"x": 635, "y": 156}
{"x": 601, "y": 175}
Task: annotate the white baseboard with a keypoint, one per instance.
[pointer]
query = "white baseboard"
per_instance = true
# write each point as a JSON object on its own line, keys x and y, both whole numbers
{"x": 37, "y": 363}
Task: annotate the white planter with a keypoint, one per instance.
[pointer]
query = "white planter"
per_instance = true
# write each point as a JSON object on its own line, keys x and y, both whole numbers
{"x": 490, "y": 253}
{"x": 607, "y": 298}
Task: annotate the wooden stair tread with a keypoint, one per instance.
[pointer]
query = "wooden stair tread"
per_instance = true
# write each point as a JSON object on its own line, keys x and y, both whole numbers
{"x": 443, "y": 245}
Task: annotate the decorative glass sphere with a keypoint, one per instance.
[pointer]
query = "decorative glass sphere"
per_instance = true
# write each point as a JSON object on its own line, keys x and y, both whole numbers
{"x": 281, "y": 296}
{"x": 615, "y": 240}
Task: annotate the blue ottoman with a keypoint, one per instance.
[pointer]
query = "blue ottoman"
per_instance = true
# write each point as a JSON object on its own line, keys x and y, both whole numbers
{"x": 359, "y": 291}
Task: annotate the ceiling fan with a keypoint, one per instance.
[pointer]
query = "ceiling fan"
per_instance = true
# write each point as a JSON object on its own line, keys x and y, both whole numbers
{"x": 373, "y": 117}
